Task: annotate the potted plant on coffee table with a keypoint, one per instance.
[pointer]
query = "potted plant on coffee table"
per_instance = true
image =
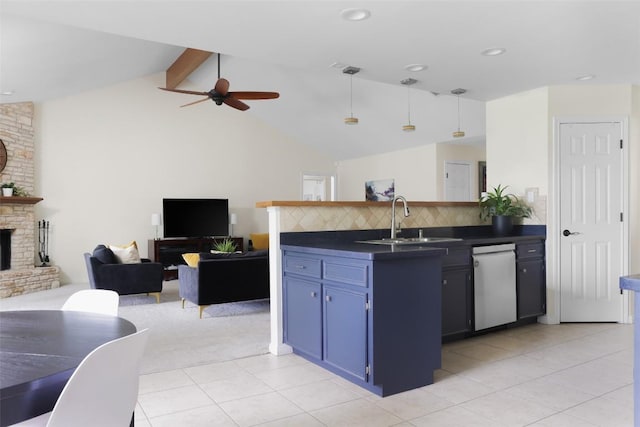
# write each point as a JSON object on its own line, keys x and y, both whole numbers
{"x": 502, "y": 207}
{"x": 226, "y": 245}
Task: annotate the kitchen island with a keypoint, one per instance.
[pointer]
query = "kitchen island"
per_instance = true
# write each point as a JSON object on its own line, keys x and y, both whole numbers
{"x": 632, "y": 283}
{"x": 336, "y": 226}
{"x": 369, "y": 313}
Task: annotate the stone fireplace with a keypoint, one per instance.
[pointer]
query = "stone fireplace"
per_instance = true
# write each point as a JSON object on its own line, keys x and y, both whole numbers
{"x": 17, "y": 216}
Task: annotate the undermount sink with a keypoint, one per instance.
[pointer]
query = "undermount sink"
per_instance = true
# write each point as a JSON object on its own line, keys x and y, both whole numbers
{"x": 409, "y": 240}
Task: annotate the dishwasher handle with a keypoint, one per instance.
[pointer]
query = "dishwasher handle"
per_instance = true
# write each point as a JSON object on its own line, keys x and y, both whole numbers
{"x": 506, "y": 247}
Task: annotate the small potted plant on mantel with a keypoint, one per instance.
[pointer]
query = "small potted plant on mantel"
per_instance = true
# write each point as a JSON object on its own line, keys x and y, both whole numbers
{"x": 7, "y": 189}
{"x": 502, "y": 207}
{"x": 11, "y": 189}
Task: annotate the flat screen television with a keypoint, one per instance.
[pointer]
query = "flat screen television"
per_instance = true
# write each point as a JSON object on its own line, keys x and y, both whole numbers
{"x": 195, "y": 217}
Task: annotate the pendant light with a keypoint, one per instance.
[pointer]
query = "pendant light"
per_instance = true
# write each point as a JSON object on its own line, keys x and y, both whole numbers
{"x": 351, "y": 71}
{"x": 408, "y": 82}
{"x": 457, "y": 93}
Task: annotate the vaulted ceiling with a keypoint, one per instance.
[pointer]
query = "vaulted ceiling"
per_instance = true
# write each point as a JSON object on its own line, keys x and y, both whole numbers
{"x": 51, "y": 49}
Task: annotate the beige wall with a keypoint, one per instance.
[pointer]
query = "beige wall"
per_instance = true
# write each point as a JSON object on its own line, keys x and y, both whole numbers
{"x": 418, "y": 172}
{"x": 106, "y": 158}
{"x": 414, "y": 172}
{"x": 518, "y": 141}
{"x": 520, "y": 150}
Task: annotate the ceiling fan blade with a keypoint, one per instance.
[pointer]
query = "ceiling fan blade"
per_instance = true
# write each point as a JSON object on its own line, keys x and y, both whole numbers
{"x": 222, "y": 87}
{"x": 236, "y": 103}
{"x": 254, "y": 95}
{"x": 188, "y": 92}
{"x": 196, "y": 102}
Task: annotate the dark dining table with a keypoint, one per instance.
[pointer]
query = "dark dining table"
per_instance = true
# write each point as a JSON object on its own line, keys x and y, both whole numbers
{"x": 40, "y": 349}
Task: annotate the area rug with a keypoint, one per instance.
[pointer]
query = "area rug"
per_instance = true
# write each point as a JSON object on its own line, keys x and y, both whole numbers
{"x": 170, "y": 294}
{"x": 179, "y": 338}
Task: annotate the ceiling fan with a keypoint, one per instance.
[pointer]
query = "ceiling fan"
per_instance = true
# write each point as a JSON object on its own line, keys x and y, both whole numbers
{"x": 220, "y": 94}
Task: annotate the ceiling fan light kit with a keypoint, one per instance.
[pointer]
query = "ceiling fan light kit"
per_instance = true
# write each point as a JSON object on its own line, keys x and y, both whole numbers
{"x": 351, "y": 71}
{"x": 457, "y": 93}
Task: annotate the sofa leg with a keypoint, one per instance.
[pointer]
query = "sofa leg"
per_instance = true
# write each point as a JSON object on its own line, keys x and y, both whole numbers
{"x": 201, "y": 309}
{"x": 157, "y": 295}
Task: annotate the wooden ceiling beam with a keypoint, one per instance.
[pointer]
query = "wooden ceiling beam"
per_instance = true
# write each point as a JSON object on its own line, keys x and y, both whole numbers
{"x": 182, "y": 67}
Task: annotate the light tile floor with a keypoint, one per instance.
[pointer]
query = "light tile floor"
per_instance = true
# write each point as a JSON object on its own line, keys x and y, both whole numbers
{"x": 536, "y": 375}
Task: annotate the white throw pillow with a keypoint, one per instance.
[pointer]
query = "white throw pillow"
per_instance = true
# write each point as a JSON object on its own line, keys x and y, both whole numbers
{"x": 126, "y": 254}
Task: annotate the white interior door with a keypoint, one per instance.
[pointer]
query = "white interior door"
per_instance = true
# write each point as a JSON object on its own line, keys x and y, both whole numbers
{"x": 316, "y": 187}
{"x": 457, "y": 181}
{"x": 591, "y": 207}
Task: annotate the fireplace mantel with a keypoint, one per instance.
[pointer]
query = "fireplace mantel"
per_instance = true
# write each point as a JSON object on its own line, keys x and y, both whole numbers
{"x": 19, "y": 200}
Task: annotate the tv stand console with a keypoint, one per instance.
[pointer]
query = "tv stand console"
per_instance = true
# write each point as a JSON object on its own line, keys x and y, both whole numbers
{"x": 169, "y": 252}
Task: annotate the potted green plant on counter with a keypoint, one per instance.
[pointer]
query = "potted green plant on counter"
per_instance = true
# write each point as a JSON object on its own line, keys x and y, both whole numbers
{"x": 502, "y": 207}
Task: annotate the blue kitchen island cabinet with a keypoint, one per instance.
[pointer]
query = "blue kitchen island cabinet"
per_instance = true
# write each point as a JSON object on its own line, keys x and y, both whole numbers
{"x": 632, "y": 283}
{"x": 372, "y": 318}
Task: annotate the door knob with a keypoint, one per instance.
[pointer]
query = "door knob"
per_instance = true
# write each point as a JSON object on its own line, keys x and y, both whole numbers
{"x": 569, "y": 233}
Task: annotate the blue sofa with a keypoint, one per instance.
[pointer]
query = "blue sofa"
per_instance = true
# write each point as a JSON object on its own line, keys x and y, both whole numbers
{"x": 222, "y": 278}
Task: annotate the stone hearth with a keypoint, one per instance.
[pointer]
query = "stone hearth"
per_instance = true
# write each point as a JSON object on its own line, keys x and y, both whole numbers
{"x": 17, "y": 213}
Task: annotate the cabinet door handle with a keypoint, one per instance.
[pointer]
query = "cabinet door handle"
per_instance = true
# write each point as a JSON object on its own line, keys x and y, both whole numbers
{"x": 314, "y": 294}
{"x": 444, "y": 282}
{"x": 524, "y": 270}
{"x": 301, "y": 267}
{"x": 328, "y": 298}
{"x": 532, "y": 251}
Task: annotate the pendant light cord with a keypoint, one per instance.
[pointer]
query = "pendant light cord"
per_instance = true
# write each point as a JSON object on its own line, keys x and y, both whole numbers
{"x": 409, "y": 103}
{"x": 351, "y": 95}
{"x": 458, "y": 113}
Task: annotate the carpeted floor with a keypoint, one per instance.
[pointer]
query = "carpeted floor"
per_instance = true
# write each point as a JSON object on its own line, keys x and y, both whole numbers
{"x": 178, "y": 338}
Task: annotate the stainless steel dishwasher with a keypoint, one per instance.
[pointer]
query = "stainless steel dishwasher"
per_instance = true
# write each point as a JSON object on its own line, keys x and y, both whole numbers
{"x": 494, "y": 273}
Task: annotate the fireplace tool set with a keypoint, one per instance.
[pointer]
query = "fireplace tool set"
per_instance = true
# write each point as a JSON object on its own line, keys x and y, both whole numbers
{"x": 43, "y": 240}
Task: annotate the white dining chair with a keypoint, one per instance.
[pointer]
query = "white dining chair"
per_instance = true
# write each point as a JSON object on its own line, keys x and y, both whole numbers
{"x": 93, "y": 300}
{"x": 103, "y": 390}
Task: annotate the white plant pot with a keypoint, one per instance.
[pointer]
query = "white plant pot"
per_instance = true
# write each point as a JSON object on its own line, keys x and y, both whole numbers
{"x": 6, "y": 192}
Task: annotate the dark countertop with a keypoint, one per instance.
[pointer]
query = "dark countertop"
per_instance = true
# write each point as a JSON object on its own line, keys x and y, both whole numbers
{"x": 344, "y": 243}
{"x": 366, "y": 251}
{"x": 631, "y": 283}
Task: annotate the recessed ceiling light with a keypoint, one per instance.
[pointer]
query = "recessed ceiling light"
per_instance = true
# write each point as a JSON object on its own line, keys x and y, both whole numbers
{"x": 355, "y": 14}
{"x": 415, "y": 67}
{"x": 339, "y": 65}
{"x": 585, "y": 77}
{"x": 494, "y": 51}
{"x": 6, "y": 92}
